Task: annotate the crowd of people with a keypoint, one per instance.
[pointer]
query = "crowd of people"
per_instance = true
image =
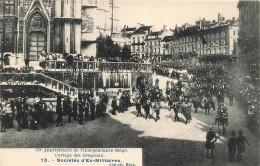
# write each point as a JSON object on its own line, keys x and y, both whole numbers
{"x": 221, "y": 81}
{"x": 33, "y": 113}
{"x": 195, "y": 87}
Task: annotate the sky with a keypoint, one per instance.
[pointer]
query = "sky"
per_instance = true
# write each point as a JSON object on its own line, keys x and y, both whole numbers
{"x": 172, "y": 12}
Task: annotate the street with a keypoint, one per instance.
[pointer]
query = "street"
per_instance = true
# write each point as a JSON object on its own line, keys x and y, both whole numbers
{"x": 164, "y": 142}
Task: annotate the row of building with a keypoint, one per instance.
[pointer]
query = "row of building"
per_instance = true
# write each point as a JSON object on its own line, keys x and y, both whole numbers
{"x": 28, "y": 27}
{"x": 205, "y": 38}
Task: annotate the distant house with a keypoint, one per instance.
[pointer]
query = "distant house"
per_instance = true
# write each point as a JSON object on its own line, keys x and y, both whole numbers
{"x": 138, "y": 38}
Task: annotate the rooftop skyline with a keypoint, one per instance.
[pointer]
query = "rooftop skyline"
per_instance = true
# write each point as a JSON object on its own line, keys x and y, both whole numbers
{"x": 171, "y": 12}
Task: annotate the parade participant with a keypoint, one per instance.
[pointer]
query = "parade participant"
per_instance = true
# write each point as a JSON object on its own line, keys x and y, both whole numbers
{"x": 105, "y": 98}
{"x": 68, "y": 109}
{"x": 81, "y": 110}
{"x": 142, "y": 88}
{"x": 86, "y": 106}
{"x": 92, "y": 109}
{"x": 206, "y": 106}
{"x": 98, "y": 104}
{"x": 187, "y": 112}
{"x": 138, "y": 104}
{"x": 146, "y": 107}
{"x": 232, "y": 143}
{"x": 34, "y": 123}
{"x": 44, "y": 115}
{"x": 128, "y": 100}
{"x": 241, "y": 145}
{"x": 86, "y": 96}
{"x": 3, "y": 116}
{"x": 81, "y": 96}
{"x": 91, "y": 93}
{"x": 19, "y": 108}
{"x": 24, "y": 114}
{"x": 12, "y": 104}
{"x": 114, "y": 105}
{"x": 124, "y": 102}
{"x": 103, "y": 103}
{"x": 176, "y": 108}
{"x": 157, "y": 108}
{"x": 75, "y": 108}
{"x": 221, "y": 114}
{"x": 211, "y": 138}
{"x": 37, "y": 107}
{"x": 64, "y": 105}
{"x": 119, "y": 102}
{"x": 196, "y": 103}
{"x": 59, "y": 115}
{"x": 50, "y": 112}
{"x": 59, "y": 99}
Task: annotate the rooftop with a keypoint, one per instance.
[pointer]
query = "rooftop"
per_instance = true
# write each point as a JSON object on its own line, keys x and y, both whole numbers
{"x": 142, "y": 30}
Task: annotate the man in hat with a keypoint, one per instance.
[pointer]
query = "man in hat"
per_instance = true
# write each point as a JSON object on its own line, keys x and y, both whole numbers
{"x": 211, "y": 138}
{"x": 241, "y": 145}
{"x": 232, "y": 143}
{"x": 59, "y": 114}
{"x": 59, "y": 99}
{"x": 157, "y": 108}
{"x": 92, "y": 108}
{"x": 221, "y": 114}
{"x": 68, "y": 109}
{"x": 81, "y": 110}
{"x": 3, "y": 116}
{"x": 176, "y": 109}
{"x": 75, "y": 108}
{"x": 146, "y": 107}
{"x": 19, "y": 114}
{"x": 44, "y": 115}
{"x": 114, "y": 105}
{"x": 196, "y": 104}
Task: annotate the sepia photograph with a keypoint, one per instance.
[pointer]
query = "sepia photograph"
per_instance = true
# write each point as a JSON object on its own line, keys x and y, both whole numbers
{"x": 130, "y": 82}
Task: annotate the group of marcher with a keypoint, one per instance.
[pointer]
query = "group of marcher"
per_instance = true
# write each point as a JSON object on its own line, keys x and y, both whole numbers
{"x": 34, "y": 113}
{"x": 88, "y": 105}
{"x": 121, "y": 102}
{"x": 220, "y": 81}
{"x": 29, "y": 113}
{"x": 236, "y": 145}
{"x": 144, "y": 97}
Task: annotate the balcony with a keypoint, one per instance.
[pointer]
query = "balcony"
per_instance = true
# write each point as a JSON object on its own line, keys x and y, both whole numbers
{"x": 96, "y": 66}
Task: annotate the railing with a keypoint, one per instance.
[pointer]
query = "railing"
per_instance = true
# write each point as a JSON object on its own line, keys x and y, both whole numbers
{"x": 99, "y": 66}
{"x": 37, "y": 79}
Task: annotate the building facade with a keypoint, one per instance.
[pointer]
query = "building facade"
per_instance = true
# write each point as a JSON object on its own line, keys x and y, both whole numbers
{"x": 249, "y": 36}
{"x": 138, "y": 38}
{"x": 153, "y": 44}
{"x": 206, "y": 39}
{"x": 29, "y": 27}
{"x": 166, "y": 47}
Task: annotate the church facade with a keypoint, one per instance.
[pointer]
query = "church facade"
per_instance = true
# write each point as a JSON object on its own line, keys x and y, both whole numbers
{"x": 29, "y": 27}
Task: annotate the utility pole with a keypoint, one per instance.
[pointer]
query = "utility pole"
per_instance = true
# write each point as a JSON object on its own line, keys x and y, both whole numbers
{"x": 3, "y": 36}
{"x": 112, "y": 18}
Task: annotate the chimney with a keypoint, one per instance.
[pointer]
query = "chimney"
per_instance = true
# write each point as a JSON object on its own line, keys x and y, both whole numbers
{"x": 164, "y": 28}
{"x": 214, "y": 21}
{"x": 219, "y": 17}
